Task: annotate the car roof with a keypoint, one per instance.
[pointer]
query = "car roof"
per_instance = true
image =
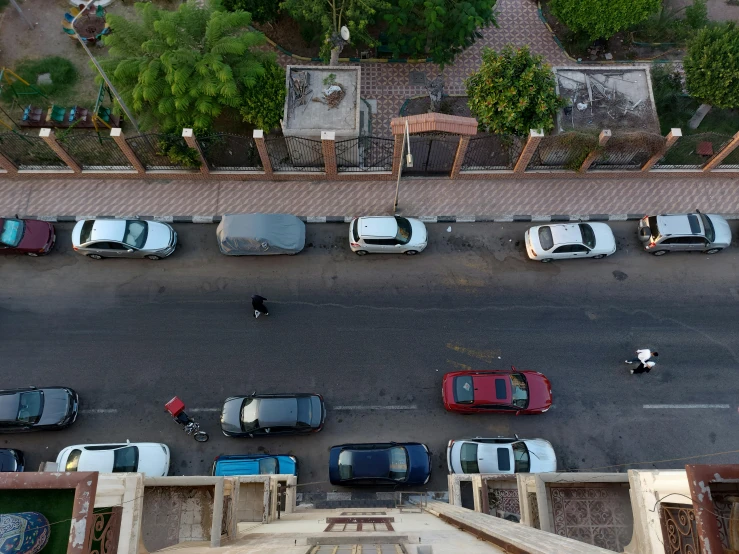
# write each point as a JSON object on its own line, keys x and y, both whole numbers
{"x": 487, "y": 457}
{"x": 566, "y": 233}
{"x": 378, "y": 227}
{"x": 278, "y": 412}
{"x": 108, "y": 229}
{"x": 678, "y": 224}
{"x": 489, "y": 389}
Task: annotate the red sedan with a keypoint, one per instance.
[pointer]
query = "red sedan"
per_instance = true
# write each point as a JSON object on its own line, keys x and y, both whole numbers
{"x": 26, "y": 236}
{"x": 518, "y": 392}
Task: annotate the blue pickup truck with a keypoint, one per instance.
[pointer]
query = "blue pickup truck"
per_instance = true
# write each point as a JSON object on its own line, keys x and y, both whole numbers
{"x": 254, "y": 464}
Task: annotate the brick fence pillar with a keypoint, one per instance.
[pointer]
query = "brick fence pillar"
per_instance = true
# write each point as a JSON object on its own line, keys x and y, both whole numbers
{"x": 603, "y": 138}
{"x": 328, "y": 145}
{"x": 725, "y": 151}
{"x": 398, "y": 153}
{"x": 117, "y": 135}
{"x": 529, "y": 149}
{"x": 189, "y": 137}
{"x": 50, "y": 139}
{"x": 670, "y": 140}
{"x": 258, "y": 135}
{"x": 8, "y": 166}
{"x": 464, "y": 142}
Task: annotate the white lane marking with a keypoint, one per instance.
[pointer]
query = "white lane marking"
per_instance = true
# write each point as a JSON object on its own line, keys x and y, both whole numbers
{"x": 203, "y": 410}
{"x": 99, "y": 411}
{"x": 410, "y": 407}
{"x": 680, "y": 406}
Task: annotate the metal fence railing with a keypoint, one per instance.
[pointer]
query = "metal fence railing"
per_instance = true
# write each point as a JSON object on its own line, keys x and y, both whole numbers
{"x": 490, "y": 152}
{"x": 563, "y": 151}
{"x": 628, "y": 151}
{"x": 94, "y": 151}
{"x": 228, "y": 152}
{"x": 693, "y": 151}
{"x": 152, "y": 150}
{"x": 731, "y": 161}
{"x": 295, "y": 154}
{"x": 365, "y": 154}
{"x": 29, "y": 152}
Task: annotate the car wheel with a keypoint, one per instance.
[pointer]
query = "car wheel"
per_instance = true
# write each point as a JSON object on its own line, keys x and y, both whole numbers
{"x": 411, "y": 252}
{"x": 32, "y": 254}
{"x": 713, "y": 251}
{"x": 660, "y": 253}
{"x": 361, "y": 252}
{"x": 599, "y": 256}
{"x": 95, "y": 256}
{"x": 153, "y": 257}
{"x": 546, "y": 260}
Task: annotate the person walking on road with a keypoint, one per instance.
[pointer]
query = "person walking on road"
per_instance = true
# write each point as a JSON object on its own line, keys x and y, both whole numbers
{"x": 257, "y": 302}
{"x": 644, "y": 367}
{"x": 642, "y": 356}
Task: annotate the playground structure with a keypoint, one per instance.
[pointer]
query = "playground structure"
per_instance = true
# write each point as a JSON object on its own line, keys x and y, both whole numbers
{"x": 89, "y": 27}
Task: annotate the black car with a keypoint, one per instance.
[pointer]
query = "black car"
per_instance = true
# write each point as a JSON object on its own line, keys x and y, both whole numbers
{"x": 11, "y": 460}
{"x": 33, "y": 409}
{"x": 390, "y": 463}
{"x": 272, "y": 414}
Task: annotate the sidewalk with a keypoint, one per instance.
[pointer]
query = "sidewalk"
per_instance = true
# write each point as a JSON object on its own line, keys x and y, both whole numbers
{"x": 466, "y": 200}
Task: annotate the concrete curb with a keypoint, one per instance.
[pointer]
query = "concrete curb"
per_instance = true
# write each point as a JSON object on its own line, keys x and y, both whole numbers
{"x": 501, "y": 218}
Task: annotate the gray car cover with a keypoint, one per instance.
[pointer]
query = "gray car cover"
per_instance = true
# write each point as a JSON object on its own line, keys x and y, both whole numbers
{"x": 260, "y": 234}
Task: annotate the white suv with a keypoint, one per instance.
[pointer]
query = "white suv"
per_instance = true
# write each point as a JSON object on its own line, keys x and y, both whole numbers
{"x": 387, "y": 235}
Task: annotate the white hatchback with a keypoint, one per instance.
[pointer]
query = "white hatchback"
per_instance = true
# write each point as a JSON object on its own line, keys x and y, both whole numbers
{"x": 150, "y": 458}
{"x": 545, "y": 243}
{"x": 387, "y": 235}
{"x": 500, "y": 455}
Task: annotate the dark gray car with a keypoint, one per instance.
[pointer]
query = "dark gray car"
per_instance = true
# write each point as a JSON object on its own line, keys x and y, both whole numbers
{"x": 272, "y": 414}
{"x": 32, "y": 409}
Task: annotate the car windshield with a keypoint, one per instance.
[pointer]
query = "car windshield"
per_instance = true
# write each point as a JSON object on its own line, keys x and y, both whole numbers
{"x": 404, "y": 230}
{"x": 652, "y": 222}
{"x": 545, "y": 237}
{"x": 135, "y": 234}
{"x": 304, "y": 412}
{"x": 463, "y": 390}
{"x": 73, "y": 460}
{"x": 521, "y": 457}
{"x": 125, "y": 459}
{"x": 519, "y": 390}
{"x": 249, "y": 421}
{"x": 268, "y": 466}
{"x": 708, "y": 226}
{"x": 86, "y": 231}
{"x": 588, "y": 237}
{"x": 398, "y": 463}
{"x": 468, "y": 458}
{"x": 11, "y": 232}
{"x": 346, "y": 460}
{"x": 30, "y": 406}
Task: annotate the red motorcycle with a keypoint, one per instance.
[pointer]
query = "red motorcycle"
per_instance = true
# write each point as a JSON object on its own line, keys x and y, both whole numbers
{"x": 176, "y": 409}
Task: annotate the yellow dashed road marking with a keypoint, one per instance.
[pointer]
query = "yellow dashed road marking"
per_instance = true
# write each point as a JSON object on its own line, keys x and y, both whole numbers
{"x": 485, "y": 355}
{"x": 460, "y": 367}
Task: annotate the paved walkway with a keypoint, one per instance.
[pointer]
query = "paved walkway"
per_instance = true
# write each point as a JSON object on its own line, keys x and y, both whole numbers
{"x": 418, "y": 197}
{"x": 389, "y": 83}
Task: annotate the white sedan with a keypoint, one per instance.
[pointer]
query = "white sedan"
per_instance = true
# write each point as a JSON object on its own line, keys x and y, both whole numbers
{"x": 150, "y": 458}
{"x": 500, "y": 455}
{"x": 569, "y": 240}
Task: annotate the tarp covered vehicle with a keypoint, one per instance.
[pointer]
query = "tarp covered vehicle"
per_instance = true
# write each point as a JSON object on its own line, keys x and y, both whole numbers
{"x": 260, "y": 234}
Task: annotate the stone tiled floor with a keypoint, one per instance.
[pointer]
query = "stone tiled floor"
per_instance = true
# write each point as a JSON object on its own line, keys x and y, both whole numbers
{"x": 418, "y": 197}
{"x": 389, "y": 83}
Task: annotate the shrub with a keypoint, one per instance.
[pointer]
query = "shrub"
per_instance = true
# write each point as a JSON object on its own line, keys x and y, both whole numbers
{"x": 262, "y": 11}
{"x": 712, "y": 66}
{"x": 603, "y": 18}
{"x": 263, "y": 103}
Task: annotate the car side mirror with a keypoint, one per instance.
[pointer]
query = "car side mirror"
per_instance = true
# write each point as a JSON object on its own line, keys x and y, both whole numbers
{"x": 251, "y": 436}
{"x": 518, "y": 412}
{"x": 517, "y": 437}
{"x": 129, "y": 250}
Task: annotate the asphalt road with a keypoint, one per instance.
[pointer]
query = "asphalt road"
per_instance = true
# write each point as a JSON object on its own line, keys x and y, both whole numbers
{"x": 381, "y": 331}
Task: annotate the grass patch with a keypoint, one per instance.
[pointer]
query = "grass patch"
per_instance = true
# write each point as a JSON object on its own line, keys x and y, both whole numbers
{"x": 63, "y": 76}
{"x": 55, "y": 504}
{"x": 4, "y": 4}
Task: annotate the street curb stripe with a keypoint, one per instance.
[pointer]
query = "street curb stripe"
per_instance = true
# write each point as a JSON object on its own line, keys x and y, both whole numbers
{"x": 682, "y": 406}
{"x": 409, "y": 407}
{"x": 204, "y": 410}
{"x": 99, "y": 411}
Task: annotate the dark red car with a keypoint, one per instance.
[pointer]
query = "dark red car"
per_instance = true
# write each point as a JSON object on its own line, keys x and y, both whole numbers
{"x": 514, "y": 391}
{"x": 26, "y": 236}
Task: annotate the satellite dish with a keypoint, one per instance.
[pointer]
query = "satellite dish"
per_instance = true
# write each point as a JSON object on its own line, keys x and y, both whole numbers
{"x": 344, "y": 32}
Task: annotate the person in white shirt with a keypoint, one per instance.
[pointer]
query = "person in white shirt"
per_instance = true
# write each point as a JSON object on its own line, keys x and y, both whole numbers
{"x": 643, "y": 355}
{"x": 644, "y": 367}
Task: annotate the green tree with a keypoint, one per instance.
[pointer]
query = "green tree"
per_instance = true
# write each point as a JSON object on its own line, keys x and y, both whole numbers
{"x": 513, "y": 92}
{"x": 712, "y": 66}
{"x": 264, "y": 101}
{"x": 440, "y": 29}
{"x": 603, "y": 18}
{"x": 262, "y": 11}
{"x": 183, "y": 68}
{"x": 331, "y": 15}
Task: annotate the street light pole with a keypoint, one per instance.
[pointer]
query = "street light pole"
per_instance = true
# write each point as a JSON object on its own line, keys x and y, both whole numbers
{"x": 102, "y": 73}
{"x": 409, "y": 163}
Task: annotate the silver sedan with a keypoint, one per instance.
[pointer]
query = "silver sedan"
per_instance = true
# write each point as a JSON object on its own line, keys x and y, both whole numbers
{"x": 123, "y": 238}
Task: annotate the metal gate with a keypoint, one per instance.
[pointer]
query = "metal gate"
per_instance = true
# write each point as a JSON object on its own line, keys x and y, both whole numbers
{"x": 433, "y": 154}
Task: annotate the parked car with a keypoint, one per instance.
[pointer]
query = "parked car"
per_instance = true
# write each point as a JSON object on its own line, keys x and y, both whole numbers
{"x": 500, "y": 455}
{"x": 255, "y": 464}
{"x": 387, "y": 235}
{"x": 511, "y": 392}
{"x": 260, "y": 234}
{"x": 695, "y": 232}
{"x": 564, "y": 241}
{"x": 391, "y": 463}
{"x": 26, "y": 236}
{"x": 149, "y": 458}
{"x": 33, "y": 409}
{"x": 123, "y": 238}
{"x": 272, "y": 414}
{"x": 11, "y": 460}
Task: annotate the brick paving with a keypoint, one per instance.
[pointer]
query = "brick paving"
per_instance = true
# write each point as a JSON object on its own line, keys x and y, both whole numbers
{"x": 418, "y": 197}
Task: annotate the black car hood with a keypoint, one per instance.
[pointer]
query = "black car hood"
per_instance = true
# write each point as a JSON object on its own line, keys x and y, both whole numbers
{"x": 56, "y": 406}
{"x": 231, "y": 415}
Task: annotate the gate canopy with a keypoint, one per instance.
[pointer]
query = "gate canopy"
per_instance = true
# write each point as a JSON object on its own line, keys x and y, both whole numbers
{"x": 439, "y": 122}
